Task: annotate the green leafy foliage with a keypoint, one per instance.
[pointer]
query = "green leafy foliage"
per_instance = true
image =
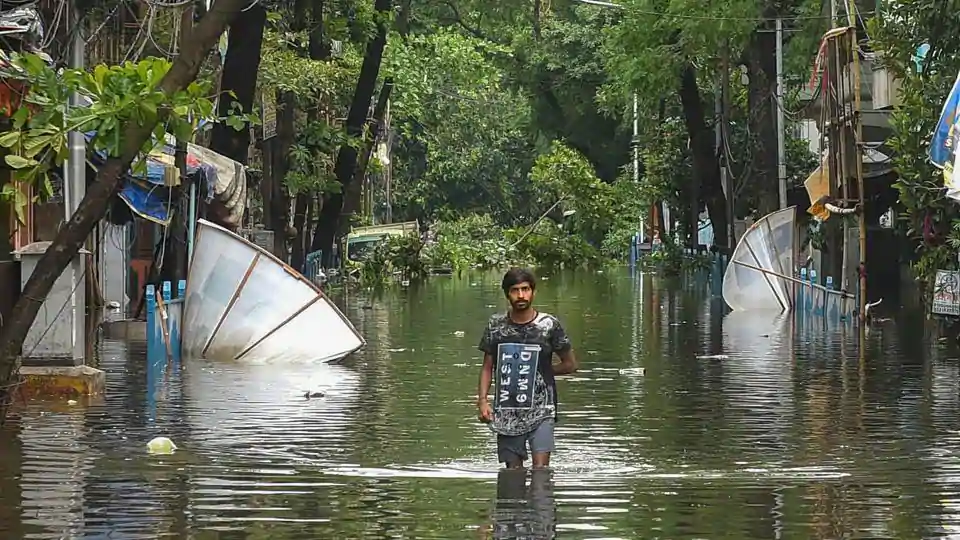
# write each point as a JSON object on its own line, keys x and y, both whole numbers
{"x": 465, "y": 139}
{"x": 477, "y": 242}
{"x": 588, "y": 208}
{"x": 927, "y": 217}
{"x": 319, "y": 91}
{"x": 505, "y": 111}
{"x": 671, "y": 260}
{"x": 474, "y": 241}
{"x": 396, "y": 255}
{"x": 285, "y": 68}
{"x": 36, "y": 140}
{"x": 311, "y": 158}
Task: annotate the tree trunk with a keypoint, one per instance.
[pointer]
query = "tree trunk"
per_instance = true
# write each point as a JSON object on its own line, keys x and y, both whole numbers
{"x": 279, "y": 195}
{"x": 352, "y": 202}
{"x": 239, "y": 77}
{"x": 93, "y": 206}
{"x": 297, "y": 254}
{"x": 329, "y": 217}
{"x": 403, "y": 19}
{"x": 761, "y": 101}
{"x": 706, "y": 167}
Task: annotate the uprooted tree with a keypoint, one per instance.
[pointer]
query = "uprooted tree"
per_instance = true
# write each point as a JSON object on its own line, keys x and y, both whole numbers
{"x": 134, "y": 105}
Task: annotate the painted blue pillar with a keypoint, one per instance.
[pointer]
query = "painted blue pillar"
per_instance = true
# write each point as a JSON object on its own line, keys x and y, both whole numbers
{"x": 155, "y": 353}
{"x": 176, "y": 322}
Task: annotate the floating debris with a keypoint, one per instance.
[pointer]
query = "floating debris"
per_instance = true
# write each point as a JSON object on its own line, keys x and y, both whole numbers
{"x": 633, "y": 371}
{"x": 313, "y": 395}
{"x": 459, "y": 333}
{"x": 712, "y": 357}
{"x": 401, "y": 349}
{"x": 161, "y": 445}
{"x": 71, "y": 402}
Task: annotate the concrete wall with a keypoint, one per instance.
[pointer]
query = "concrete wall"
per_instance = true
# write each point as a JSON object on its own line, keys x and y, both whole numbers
{"x": 114, "y": 267}
{"x": 53, "y": 339}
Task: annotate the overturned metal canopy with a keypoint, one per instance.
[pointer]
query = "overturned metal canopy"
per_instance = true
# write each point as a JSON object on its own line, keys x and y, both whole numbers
{"x": 761, "y": 268}
{"x": 245, "y": 304}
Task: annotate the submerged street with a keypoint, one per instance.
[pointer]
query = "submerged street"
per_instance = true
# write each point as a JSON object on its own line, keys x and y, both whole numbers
{"x": 681, "y": 423}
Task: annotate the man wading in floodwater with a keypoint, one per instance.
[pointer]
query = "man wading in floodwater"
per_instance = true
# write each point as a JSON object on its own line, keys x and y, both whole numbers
{"x": 518, "y": 349}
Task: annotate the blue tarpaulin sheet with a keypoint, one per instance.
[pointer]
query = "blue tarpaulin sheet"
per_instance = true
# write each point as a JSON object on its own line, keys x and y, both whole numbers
{"x": 146, "y": 194}
{"x": 150, "y": 202}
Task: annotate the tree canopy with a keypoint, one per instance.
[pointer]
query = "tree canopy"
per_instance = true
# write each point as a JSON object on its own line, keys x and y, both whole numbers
{"x": 519, "y": 114}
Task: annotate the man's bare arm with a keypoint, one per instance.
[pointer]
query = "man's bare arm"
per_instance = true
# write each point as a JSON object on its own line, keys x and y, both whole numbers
{"x": 568, "y": 363}
{"x": 486, "y": 377}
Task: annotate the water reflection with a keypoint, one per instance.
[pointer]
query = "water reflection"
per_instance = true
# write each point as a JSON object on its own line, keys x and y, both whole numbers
{"x": 261, "y": 410}
{"x": 685, "y": 422}
{"x": 525, "y": 506}
{"x": 757, "y": 373}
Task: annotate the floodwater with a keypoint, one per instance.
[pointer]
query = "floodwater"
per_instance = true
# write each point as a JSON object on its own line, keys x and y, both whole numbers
{"x": 789, "y": 435}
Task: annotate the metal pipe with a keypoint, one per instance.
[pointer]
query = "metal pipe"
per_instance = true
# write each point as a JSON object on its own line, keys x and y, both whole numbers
{"x": 781, "y": 127}
{"x": 74, "y": 188}
{"x": 636, "y": 158}
{"x": 636, "y": 134}
{"x": 858, "y": 155}
{"x": 191, "y": 222}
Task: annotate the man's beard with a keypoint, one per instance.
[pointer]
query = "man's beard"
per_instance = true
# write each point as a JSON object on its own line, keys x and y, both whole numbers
{"x": 520, "y": 305}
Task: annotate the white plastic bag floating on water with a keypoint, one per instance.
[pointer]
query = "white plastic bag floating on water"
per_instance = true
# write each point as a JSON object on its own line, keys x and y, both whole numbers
{"x": 161, "y": 445}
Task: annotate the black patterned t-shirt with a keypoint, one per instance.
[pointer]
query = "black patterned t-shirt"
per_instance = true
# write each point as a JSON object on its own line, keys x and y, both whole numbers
{"x": 525, "y": 393}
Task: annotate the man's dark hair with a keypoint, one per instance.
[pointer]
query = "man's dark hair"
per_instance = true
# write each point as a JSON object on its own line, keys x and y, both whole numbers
{"x": 516, "y": 276}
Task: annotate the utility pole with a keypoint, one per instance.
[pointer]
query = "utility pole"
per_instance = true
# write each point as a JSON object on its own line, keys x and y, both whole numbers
{"x": 718, "y": 146}
{"x": 725, "y": 179}
{"x": 184, "y": 222}
{"x": 74, "y": 188}
{"x": 636, "y": 157}
{"x": 858, "y": 156}
{"x": 636, "y": 132}
{"x": 781, "y": 128}
{"x": 835, "y": 234}
{"x": 388, "y": 171}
